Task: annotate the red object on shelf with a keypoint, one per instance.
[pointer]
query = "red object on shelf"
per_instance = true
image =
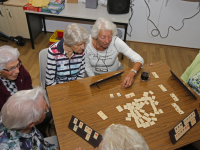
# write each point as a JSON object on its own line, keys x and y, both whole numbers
{"x": 56, "y": 36}
{"x": 32, "y": 8}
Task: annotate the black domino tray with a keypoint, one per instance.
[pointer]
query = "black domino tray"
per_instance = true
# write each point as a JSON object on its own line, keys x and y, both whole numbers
{"x": 80, "y": 131}
{"x": 172, "y": 132}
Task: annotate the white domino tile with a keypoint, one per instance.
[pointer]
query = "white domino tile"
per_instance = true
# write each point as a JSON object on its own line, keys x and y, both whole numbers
{"x": 141, "y": 117}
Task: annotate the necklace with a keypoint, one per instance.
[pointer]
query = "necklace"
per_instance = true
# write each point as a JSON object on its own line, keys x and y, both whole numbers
{"x": 103, "y": 60}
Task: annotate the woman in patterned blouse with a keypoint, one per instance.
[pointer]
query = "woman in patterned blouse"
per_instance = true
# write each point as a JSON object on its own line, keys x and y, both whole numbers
{"x": 22, "y": 111}
{"x": 191, "y": 76}
{"x": 66, "y": 58}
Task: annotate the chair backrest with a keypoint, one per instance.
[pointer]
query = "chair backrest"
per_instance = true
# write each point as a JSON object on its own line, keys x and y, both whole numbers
{"x": 119, "y": 33}
{"x": 42, "y": 66}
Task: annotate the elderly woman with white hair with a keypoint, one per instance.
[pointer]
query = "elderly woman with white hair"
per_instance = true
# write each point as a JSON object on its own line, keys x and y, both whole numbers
{"x": 103, "y": 49}
{"x": 19, "y": 115}
{"x": 13, "y": 75}
{"x": 121, "y": 137}
{"x": 66, "y": 58}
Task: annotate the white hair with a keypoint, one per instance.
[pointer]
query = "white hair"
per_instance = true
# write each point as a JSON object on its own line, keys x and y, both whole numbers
{"x": 7, "y": 54}
{"x": 23, "y": 108}
{"x": 104, "y": 24}
{"x": 121, "y": 137}
{"x": 75, "y": 33}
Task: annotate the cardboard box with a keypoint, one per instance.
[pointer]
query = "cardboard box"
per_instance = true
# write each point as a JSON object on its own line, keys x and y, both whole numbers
{"x": 31, "y": 8}
{"x": 54, "y": 8}
{"x": 72, "y": 1}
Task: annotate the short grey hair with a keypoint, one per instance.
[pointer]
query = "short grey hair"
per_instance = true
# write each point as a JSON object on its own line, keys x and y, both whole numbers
{"x": 7, "y": 54}
{"x": 121, "y": 137}
{"x": 104, "y": 24}
{"x": 75, "y": 33}
{"x": 23, "y": 108}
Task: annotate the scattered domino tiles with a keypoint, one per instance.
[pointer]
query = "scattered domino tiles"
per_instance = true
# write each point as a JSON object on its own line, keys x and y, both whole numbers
{"x": 174, "y": 97}
{"x": 119, "y": 108}
{"x": 118, "y": 94}
{"x": 155, "y": 75}
{"x": 177, "y": 108}
{"x": 141, "y": 118}
{"x": 127, "y": 95}
{"x": 102, "y": 115}
{"x": 184, "y": 126}
{"x": 111, "y": 96}
{"x": 84, "y": 131}
{"x": 162, "y": 88}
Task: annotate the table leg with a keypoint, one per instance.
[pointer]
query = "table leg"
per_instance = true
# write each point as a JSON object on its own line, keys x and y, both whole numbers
{"x": 44, "y": 24}
{"x": 30, "y": 33}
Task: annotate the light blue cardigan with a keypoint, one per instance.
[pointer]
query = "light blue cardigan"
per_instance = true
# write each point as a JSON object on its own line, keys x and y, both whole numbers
{"x": 192, "y": 70}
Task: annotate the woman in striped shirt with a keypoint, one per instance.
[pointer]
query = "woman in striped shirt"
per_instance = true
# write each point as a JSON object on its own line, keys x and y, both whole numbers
{"x": 66, "y": 58}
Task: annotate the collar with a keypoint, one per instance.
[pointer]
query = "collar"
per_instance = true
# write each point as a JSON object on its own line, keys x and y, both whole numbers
{"x": 4, "y": 79}
{"x": 15, "y": 134}
{"x": 60, "y": 46}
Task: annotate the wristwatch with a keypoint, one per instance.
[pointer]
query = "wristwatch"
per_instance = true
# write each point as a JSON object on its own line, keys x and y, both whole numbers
{"x": 134, "y": 71}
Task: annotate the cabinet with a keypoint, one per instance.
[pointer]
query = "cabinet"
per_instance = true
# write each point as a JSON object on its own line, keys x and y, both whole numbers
{"x": 13, "y": 21}
{"x": 4, "y": 24}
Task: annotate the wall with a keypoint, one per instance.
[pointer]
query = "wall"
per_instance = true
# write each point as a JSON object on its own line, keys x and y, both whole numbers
{"x": 163, "y": 14}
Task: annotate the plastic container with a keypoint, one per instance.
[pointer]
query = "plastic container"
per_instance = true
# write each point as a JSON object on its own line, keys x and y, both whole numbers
{"x": 54, "y": 8}
{"x": 57, "y": 36}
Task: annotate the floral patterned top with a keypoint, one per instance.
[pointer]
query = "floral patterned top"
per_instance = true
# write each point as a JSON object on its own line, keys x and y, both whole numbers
{"x": 16, "y": 140}
{"x": 194, "y": 83}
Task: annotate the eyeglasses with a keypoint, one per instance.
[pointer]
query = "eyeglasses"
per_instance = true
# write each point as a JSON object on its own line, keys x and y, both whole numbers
{"x": 101, "y": 70}
{"x": 103, "y": 60}
{"x": 12, "y": 69}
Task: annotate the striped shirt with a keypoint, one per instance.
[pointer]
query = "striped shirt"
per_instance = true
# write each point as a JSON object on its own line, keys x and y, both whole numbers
{"x": 62, "y": 69}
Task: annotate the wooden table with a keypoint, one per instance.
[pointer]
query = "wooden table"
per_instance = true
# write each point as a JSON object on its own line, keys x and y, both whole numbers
{"x": 79, "y": 99}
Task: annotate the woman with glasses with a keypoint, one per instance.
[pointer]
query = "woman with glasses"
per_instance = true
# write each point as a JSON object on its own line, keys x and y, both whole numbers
{"x": 103, "y": 49}
{"x": 13, "y": 75}
{"x": 66, "y": 58}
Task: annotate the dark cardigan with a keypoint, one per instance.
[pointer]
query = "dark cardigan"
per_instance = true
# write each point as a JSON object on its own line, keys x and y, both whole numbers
{"x": 23, "y": 82}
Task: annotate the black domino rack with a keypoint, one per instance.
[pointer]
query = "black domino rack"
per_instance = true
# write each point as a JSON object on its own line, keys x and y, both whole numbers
{"x": 172, "y": 132}
{"x": 80, "y": 131}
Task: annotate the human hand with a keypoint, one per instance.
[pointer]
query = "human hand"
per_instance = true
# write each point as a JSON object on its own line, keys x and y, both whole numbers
{"x": 128, "y": 81}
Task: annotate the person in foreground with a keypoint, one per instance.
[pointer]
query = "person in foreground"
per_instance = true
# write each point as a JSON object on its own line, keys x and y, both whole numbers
{"x": 19, "y": 115}
{"x": 103, "y": 49}
{"x": 13, "y": 75}
{"x": 66, "y": 58}
{"x": 191, "y": 76}
{"x": 121, "y": 137}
